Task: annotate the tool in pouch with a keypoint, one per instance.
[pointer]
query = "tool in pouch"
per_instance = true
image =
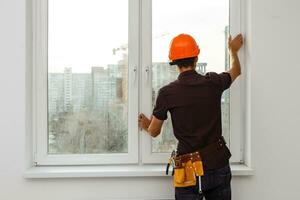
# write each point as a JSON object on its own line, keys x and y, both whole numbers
{"x": 185, "y": 168}
{"x": 171, "y": 162}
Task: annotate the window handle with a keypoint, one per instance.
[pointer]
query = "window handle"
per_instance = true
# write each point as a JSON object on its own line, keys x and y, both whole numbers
{"x": 134, "y": 73}
{"x": 148, "y": 71}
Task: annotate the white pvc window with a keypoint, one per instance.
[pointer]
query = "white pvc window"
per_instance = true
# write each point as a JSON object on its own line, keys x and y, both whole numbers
{"x": 97, "y": 64}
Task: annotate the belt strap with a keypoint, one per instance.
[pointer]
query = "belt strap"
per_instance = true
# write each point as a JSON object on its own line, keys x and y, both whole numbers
{"x": 203, "y": 152}
{"x": 213, "y": 147}
{"x": 197, "y": 155}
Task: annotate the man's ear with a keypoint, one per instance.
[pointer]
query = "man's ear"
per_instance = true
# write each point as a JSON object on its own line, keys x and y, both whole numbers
{"x": 195, "y": 62}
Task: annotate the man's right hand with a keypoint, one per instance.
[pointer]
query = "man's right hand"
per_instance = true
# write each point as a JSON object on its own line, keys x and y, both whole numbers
{"x": 236, "y": 43}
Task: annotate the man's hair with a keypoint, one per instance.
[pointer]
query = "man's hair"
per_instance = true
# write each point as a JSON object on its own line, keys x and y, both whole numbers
{"x": 185, "y": 62}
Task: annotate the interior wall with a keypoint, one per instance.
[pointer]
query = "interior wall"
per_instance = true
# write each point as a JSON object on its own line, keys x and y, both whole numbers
{"x": 272, "y": 50}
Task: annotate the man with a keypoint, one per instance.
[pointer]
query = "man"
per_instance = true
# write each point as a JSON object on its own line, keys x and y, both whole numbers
{"x": 194, "y": 102}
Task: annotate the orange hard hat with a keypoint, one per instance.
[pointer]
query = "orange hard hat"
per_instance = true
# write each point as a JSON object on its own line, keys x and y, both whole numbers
{"x": 183, "y": 46}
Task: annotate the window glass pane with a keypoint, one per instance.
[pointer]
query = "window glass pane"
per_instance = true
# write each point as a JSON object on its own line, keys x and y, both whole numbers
{"x": 87, "y": 76}
{"x": 207, "y": 21}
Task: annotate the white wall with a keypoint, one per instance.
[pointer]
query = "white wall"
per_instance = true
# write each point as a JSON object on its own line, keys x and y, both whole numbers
{"x": 273, "y": 31}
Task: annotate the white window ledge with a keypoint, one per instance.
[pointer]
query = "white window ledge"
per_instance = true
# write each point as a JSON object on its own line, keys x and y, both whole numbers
{"x": 113, "y": 171}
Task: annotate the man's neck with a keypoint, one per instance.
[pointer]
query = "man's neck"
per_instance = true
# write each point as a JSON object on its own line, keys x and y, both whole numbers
{"x": 184, "y": 69}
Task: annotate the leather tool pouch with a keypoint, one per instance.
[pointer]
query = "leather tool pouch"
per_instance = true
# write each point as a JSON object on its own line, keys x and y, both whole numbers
{"x": 187, "y": 167}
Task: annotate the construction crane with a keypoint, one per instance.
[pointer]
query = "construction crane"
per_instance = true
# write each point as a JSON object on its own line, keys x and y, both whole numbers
{"x": 124, "y": 47}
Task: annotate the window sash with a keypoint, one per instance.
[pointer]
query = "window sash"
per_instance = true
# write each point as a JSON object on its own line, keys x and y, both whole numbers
{"x": 236, "y": 91}
{"x": 40, "y": 90}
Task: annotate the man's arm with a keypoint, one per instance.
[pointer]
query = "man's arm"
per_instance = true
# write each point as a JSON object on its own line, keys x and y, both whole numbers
{"x": 152, "y": 126}
{"x": 234, "y": 46}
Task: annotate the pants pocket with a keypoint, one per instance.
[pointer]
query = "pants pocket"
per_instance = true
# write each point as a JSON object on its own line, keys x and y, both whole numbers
{"x": 225, "y": 174}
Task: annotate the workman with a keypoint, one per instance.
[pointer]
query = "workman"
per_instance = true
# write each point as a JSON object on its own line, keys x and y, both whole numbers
{"x": 194, "y": 102}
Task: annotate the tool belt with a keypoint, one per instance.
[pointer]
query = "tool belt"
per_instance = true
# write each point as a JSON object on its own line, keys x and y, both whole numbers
{"x": 187, "y": 166}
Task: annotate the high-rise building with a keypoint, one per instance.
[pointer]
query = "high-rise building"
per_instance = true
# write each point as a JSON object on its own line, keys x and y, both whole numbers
{"x": 103, "y": 88}
{"x": 67, "y": 89}
{"x": 81, "y": 91}
{"x": 123, "y": 68}
{"x": 201, "y": 68}
{"x": 55, "y": 92}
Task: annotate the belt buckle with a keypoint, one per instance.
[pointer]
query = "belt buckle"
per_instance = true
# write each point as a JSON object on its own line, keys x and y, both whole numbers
{"x": 177, "y": 163}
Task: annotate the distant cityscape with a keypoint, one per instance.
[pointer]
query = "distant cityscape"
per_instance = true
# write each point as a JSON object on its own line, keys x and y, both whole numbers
{"x": 88, "y": 112}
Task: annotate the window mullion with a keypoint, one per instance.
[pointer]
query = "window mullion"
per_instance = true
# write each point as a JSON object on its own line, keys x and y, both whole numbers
{"x": 146, "y": 74}
{"x": 133, "y": 67}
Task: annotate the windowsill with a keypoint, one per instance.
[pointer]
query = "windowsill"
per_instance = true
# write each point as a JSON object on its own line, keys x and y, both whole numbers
{"x": 113, "y": 171}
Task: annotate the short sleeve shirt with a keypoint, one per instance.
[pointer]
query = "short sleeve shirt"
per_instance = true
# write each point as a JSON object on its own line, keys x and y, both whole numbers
{"x": 194, "y": 102}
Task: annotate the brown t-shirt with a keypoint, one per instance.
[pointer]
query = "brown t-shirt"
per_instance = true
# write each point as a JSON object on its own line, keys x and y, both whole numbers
{"x": 194, "y": 102}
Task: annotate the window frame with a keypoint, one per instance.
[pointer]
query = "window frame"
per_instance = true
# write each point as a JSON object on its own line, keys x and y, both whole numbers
{"x": 140, "y": 89}
{"x": 40, "y": 94}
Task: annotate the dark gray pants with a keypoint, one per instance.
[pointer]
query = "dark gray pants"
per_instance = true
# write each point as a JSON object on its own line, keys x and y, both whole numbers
{"x": 215, "y": 185}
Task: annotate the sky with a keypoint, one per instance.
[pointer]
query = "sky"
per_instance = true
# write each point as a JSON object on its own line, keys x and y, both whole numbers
{"x": 83, "y": 33}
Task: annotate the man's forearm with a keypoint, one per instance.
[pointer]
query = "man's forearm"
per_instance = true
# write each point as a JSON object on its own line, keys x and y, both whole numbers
{"x": 235, "y": 66}
{"x": 152, "y": 126}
